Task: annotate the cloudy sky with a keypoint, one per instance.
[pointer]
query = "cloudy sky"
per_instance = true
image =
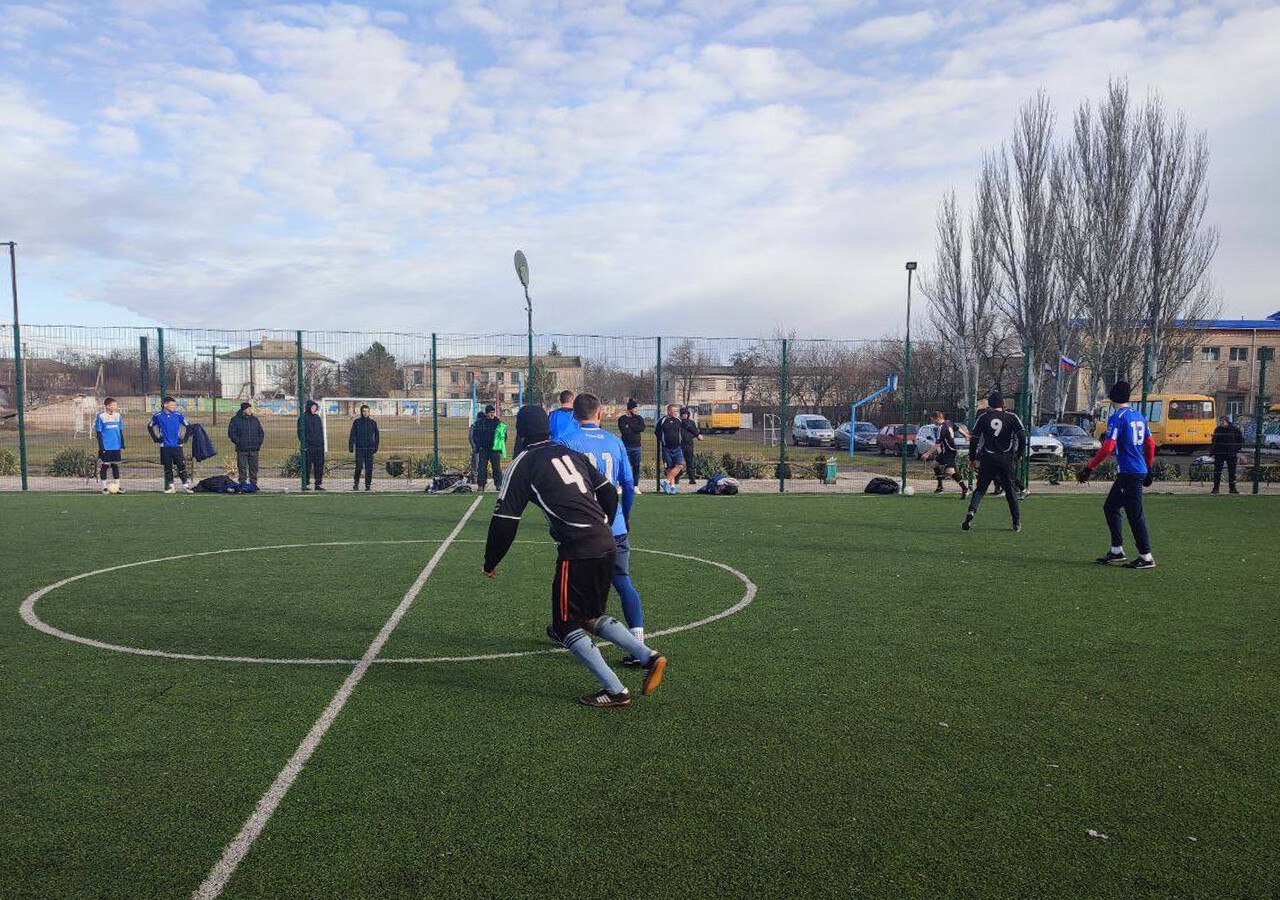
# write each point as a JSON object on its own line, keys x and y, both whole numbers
{"x": 672, "y": 166}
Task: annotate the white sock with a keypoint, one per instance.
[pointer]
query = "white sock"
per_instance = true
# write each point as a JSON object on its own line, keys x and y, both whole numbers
{"x": 1116, "y": 551}
{"x": 1146, "y": 556}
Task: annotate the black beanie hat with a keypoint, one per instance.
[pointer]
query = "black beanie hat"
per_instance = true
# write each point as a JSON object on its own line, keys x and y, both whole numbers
{"x": 996, "y": 399}
{"x": 244, "y": 406}
{"x": 632, "y": 403}
{"x": 532, "y": 425}
{"x": 1120, "y": 392}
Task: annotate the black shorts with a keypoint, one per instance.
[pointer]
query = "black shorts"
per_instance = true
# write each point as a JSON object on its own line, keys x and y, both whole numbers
{"x": 579, "y": 591}
{"x": 947, "y": 460}
{"x": 109, "y": 456}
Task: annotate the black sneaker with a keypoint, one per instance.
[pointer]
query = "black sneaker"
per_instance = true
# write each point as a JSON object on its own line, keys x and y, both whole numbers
{"x": 318, "y": 488}
{"x": 1215, "y": 491}
{"x": 1017, "y": 526}
{"x": 1110, "y": 558}
{"x": 367, "y": 488}
{"x": 1140, "y": 563}
{"x": 630, "y": 662}
{"x": 938, "y": 489}
{"x": 355, "y": 487}
{"x": 654, "y": 669}
{"x": 602, "y": 699}
{"x": 968, "y": 521}
{"x": 552, "y": 636}
{"x": 1233, "y": 491}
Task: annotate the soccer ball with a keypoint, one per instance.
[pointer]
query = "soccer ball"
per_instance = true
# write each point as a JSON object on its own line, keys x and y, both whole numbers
{"x": 909, "y": 491}
{"x": 113, "y": 488}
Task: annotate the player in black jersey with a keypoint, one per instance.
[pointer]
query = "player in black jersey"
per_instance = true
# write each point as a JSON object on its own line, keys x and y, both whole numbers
{"x": 997, "y": 443}
{"x": 579, "y": 504}
{"x": 945, "y": 451}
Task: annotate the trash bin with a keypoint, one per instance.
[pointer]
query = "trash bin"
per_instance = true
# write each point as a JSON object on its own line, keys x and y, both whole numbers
{"x": 829, "y": 473}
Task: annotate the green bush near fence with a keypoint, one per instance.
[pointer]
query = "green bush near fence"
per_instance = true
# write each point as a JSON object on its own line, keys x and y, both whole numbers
{"x": 8, "y": 462}
{"x": 72, "y": 462}
{"x": 292, "y": 467}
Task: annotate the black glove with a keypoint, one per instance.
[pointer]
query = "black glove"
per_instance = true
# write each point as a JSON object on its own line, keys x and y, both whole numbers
{"x": 1083, "y": 475}
{"x": 155, "y": 440}
{"x": 1149, "y": 480}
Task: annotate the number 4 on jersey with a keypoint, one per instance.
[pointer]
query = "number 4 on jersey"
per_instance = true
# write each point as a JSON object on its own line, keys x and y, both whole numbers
{"x": 568, "y": 474}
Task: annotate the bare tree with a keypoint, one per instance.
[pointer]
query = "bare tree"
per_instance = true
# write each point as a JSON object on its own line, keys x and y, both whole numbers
{"x": 746, "y": 366}
{"x": 1179, "y": 246}
{"x": 1026, "y": 229}
{"x": 686, "y": 363}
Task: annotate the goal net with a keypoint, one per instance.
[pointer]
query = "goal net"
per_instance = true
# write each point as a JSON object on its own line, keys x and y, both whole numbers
{"x": 336, "y": 413}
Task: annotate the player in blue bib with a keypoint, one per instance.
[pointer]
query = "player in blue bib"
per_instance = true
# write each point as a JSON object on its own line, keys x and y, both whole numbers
{"x": 605, "y": 449}
{"x": 1130, "y": 439}
{"x": 108, "y": 431}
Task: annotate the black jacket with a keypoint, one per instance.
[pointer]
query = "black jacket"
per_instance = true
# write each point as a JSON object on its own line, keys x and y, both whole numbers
{"x": 669, "y": 431}
{"x": 688, "y": 433}
{"x": 632, "y": 429}
{"x": 1227, "y": 441}
{"x": 364, "y": 435}
{"x": 311, "y": 431}
{"x": 482, "y": 435}
{"x": 245, "y": 432}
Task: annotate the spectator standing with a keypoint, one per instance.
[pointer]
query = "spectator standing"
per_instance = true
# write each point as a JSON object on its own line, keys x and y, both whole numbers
{"x": 311, "y": 435}
{"x": 1228, "y": 439}
{"x": 169, "y": 429}
{"x": 631, "y": 429}
{"x": 363, "y": 442}
{"x": 491, "y": 447}
{"x": 689, "y": 434}
{"x": 246, "y": 434}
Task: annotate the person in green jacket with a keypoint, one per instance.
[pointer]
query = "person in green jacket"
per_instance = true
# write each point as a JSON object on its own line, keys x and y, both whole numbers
{"x": 490, "y": 436}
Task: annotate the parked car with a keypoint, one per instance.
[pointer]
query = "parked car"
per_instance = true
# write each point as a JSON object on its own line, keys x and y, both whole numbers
{"x": 889, "y": 440}
{"x": 811, "y": 430}
{"x": 927, "y": 436}
{"x": 1044, "y": 447}
{"x": 864, "y": 436}
{"x": 1074, "y": 439}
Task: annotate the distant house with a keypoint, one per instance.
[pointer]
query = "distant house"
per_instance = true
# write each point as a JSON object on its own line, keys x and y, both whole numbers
{"x": 262, "y": 369}
{"x": 494, "y": 377}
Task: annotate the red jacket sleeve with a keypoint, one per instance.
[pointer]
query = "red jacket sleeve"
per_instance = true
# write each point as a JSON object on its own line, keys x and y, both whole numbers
{"x": 1149, "y": 451}
{"x": 1107, "y": 446}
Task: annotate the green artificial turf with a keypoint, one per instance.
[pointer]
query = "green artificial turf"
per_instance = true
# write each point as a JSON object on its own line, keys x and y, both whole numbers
{"x": 904, "y": 710}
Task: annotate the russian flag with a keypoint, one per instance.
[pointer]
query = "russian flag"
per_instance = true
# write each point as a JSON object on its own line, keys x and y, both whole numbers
{"x": 1069, "y": 364}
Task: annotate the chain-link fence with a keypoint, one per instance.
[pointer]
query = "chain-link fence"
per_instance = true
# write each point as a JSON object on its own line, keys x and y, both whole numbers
{"x": 777, "y": 413}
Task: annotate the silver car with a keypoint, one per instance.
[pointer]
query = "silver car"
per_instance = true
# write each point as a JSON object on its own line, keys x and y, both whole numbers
{"x": 813, "y": 430}
{"x": 1074, "y": 439}
{"x": 927, "y": 436}
{"x": 1043, "y": 446}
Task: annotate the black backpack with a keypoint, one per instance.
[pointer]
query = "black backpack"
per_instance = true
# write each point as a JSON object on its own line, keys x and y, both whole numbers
{"x": 881, "y": 485}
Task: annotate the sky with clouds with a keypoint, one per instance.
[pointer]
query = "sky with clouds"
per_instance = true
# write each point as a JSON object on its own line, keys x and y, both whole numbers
{"x": 669, "y": 166}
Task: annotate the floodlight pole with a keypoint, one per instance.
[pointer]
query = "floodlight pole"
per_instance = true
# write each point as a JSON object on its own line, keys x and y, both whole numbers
{"x": 906, "y": 382}
{"x": 522, "y": 272}
{"x": 18, "y": 386}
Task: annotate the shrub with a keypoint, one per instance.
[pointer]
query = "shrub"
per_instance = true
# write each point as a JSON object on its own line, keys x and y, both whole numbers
{"x": 8, "y": 462}
{"x": 703, "y": 466}
{"x": 782, "y": 470}
{"x": 292, "y": 467}
{"x": 72, "y": 462}
{"x": 741, "y": 467}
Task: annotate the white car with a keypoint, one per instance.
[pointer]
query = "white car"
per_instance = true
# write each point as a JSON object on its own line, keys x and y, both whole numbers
{"x": 927, "y": 436}
{"x": 812, "y": 430}
{"x": 1043, "y": 446}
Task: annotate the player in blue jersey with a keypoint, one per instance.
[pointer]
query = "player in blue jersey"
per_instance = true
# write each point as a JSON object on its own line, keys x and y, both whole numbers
{"x": 108, "y": 431}
{"x": 562, "y": 421}
{"x": 1128, "y": 436}
{"x": 606, "y": 451}
{"x": 168, "y": 428}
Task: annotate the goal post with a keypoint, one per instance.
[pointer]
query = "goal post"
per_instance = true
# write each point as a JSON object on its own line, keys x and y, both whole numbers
{"x": 336, "y": 413}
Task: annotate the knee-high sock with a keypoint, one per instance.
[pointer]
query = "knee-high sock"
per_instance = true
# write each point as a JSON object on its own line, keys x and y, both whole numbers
{"x": 631, "y": 610}
{"x": 580, "y": 645}
{"x": 617, "y": 634}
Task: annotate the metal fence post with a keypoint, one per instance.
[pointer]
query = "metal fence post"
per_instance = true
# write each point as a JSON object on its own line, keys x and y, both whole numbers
{"x": 1260, "y": 410}
{"x": 657, "y": 417}
{"x": 302, "y": 422}
{"x": 18, "y": 380}
{"x": 435, "y": 407}
{"x": 782, "y": 421}
{"x": 1027, "y": 406}
{"x": 160, "y": 360}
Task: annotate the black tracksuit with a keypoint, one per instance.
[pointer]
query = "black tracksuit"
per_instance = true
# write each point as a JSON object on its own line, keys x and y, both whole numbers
{"x": 688, "y": 437}
{"x": 483, "y": 435}
{"x": 246, "y": 434}
{"x": 1227, "y": 441}
{"x": 311, "y": 434}
{"x": 363, "y": 442}
{"x": 998, "y": 441}
{"x": 631, "y": 429}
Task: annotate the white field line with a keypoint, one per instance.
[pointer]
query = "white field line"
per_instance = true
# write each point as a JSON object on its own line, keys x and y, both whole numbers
{"x": 239, "y": 847}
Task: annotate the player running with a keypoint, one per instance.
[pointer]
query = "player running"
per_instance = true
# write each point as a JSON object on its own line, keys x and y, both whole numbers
{"x": 997, "y": 443}
{"x": 610, "y": 457}
{"x": 579, "y": 504}
{"x": 670, "y": 435}
{"x": 945, "y": 450}
{"x": 1127, "y": 434}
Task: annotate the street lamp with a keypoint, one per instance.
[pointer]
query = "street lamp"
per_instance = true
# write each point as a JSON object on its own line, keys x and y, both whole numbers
{"x": 522, "y": 272}
{"x": 906, "y": 382}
